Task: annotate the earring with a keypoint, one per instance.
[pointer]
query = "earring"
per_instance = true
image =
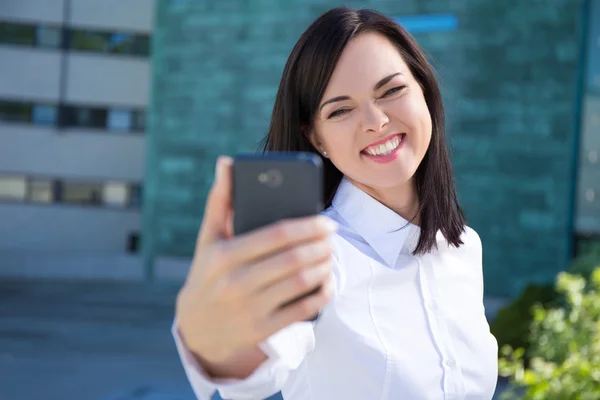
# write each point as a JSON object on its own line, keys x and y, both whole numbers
{"x": 325, "y": 153}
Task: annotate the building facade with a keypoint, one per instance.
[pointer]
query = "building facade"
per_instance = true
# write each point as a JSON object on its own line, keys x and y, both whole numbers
{"x": 587, "y": 210}
{"x": 74, "y": 88}
{"x": 523, "y": 123}
{"x": 80, "y": 134}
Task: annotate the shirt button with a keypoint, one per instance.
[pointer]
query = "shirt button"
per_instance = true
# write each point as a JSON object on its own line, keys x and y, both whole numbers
{"x": 450, "y": 363}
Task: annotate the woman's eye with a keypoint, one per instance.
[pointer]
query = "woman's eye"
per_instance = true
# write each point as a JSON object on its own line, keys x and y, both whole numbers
{"x": 393, "y": 90}
{"x": 337, "y": 113}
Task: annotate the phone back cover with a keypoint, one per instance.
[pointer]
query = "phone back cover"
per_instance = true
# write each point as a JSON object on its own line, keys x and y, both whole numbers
{"x": 257, "y": 203}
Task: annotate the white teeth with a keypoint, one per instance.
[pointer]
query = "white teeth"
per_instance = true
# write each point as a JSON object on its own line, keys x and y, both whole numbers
{"x": 384, "y": 148}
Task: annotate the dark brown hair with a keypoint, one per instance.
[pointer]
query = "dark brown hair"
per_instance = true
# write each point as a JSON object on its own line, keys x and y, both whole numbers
{"x": 304, "y": 80}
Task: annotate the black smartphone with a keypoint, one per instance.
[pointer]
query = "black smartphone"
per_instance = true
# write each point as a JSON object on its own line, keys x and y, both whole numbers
{"x": 274, "y": 186}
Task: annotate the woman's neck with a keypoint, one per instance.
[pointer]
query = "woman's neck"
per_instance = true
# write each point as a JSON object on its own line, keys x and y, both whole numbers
{"x": 403, "y": 199}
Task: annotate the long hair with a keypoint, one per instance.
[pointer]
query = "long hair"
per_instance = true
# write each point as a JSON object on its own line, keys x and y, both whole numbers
{"x": 303, "y": 83}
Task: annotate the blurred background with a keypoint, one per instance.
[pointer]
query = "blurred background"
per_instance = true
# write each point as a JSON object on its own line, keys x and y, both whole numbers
{"x": 112, "y": 113}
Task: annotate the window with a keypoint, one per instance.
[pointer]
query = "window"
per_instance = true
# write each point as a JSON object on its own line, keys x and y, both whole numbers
{"x": 115, "y": 194}
{"x": 26, "y": 112}
{"x": 139, "y": 121}
{"x": 123, "y": 43}
{"x": 115, "y": 120}
{"x": 590, "y": 195}
{"x": 119, "y": 120}
{"x": 135, "y": 195}
{"x": 44, "y": 115}
{"x": 84, "y": 117}
{"x": 87, "y": 41}
{"x": 81, "y": 193}
{"x": 48, "y": 36}
{"x": 30, "y": 35}
{"x": 41, "y": 191}
{"x": 112, "y": 194}
{"x": 19, "y": 34}
{"x": 133, "y": 242}
{"x": 14, "y": 111}
{"x": 109, "y": 42}
{"x": 13, "y": 188}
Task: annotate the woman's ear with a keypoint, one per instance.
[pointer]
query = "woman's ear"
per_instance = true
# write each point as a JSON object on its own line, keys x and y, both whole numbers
{"x": 316, "y": 142}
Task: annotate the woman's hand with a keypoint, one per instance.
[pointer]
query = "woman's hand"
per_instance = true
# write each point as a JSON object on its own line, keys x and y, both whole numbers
{"x": 232, "y": 297}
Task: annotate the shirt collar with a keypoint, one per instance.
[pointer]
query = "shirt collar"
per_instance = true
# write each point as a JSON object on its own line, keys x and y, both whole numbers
{"x": 383, "y": 229}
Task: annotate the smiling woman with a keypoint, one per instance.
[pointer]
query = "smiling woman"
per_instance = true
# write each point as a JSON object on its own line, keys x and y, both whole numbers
{"x": 357, "y": 79}
{"x": 401, "y": 284}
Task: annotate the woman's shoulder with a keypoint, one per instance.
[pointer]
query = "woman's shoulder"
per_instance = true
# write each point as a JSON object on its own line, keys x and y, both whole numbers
{"x": 471, "y": 250}
{"x": 471, "y": 238}
{"x": 471, "y": 242}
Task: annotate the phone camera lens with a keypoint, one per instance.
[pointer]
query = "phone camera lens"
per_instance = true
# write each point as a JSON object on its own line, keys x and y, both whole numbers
{"x": 271, "y": 178}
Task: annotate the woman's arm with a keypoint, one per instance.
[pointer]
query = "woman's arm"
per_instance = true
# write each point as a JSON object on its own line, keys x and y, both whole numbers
{"x": 256, "y": 374}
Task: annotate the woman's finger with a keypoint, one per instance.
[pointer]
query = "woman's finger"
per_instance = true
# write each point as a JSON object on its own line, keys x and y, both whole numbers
{"x": 285, "y": 264}
{"x": 293, "y": 287}
{"x": 230, "y": 255}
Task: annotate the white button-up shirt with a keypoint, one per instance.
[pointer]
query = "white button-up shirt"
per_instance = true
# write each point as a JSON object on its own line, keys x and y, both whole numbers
{"x": 398, "y": 327}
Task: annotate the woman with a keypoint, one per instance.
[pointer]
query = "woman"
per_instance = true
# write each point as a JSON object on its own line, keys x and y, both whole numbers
{"x": 401, "y": 303}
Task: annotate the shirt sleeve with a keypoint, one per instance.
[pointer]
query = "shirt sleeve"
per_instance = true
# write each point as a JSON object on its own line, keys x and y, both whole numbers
{"x": 285, "y": 351}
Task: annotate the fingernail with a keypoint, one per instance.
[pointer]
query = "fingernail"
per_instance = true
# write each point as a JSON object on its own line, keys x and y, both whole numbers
{"x": 219, "y": 168}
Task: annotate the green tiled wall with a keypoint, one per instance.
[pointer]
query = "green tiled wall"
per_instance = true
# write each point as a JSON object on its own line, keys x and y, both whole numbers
{"x": 508, "y": 72}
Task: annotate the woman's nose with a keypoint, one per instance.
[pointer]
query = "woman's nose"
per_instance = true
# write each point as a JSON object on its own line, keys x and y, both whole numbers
{"x": 374, "y": 119}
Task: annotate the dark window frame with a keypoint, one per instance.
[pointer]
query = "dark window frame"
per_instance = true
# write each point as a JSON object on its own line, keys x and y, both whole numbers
{"x": 113, "y": 43}
{"x": 78, "y": 40}
{"x": 65, "y": 116}
{"x": 101, "y": 116}
{"x": 134, "y": 200}
{"x": 29, "y": 29}
{"x": 28, "y": 115}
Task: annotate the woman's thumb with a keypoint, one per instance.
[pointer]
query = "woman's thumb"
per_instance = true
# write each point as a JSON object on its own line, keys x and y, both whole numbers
{"x": 218, "y": 204}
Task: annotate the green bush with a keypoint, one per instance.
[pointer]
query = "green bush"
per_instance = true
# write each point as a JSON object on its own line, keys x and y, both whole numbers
{"x": 587, "y": 260}
{"x": 512, "y": 323}
{"x": 564, "y": 345}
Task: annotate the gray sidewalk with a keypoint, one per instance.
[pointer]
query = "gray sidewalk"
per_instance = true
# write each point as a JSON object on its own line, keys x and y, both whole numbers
{"x": 88, "y": 341}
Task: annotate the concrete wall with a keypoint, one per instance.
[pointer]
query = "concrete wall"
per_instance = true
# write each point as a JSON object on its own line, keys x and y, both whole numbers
{"x": 74, "y": 153}
{"x": 71, "y": 240}
{"x": 29, "y": 74}
{"x": 49, "y": 11}
{"x": 92, "y": 79}
{"x": 66, "y": 228}
{"x": 130, "y": 15}
{"x": 100, "y": 79}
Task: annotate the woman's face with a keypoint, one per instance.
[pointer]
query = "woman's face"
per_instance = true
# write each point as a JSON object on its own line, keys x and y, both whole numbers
{"x": 373, "y": 120}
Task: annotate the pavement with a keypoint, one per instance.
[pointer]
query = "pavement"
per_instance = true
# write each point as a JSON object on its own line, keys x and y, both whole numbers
{"x": 65, "y": 340}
